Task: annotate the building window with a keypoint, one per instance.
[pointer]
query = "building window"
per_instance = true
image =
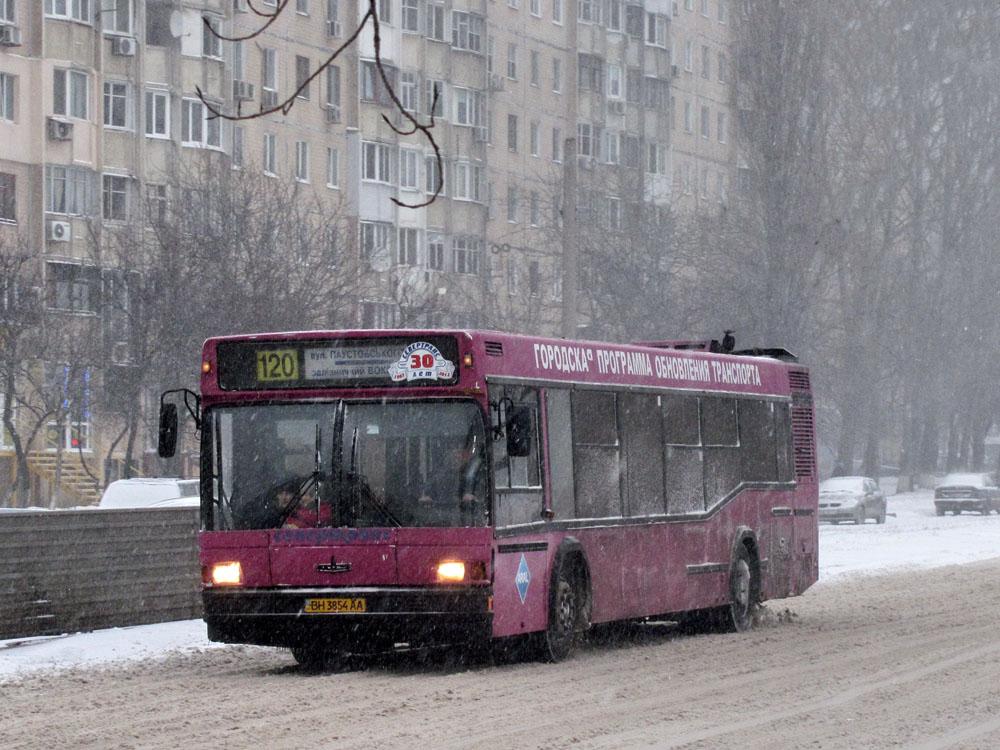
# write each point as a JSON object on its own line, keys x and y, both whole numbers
{"x": 688, "y": 120}
{"x": 536, "y": 8}
{"x": 116, "y": 15}
{"x": 535, "y": 138}
{"x": 435, "y": 252}
{"x": 157, "y": 114}
{"x": 433, "y": 174}
{"x": 468, "y": 106}
{"x": 467, "y": 255}
{"x": 333, "y": 86}
{"x": 613, "y": 147}
{"x": 302, "y": 161}
{"x": 656, "y": 163}
{"x": 70, "y": 93}
{"x": 704, "y": 122}
{"x": 721, "y": 128}
{"x": 211, "y": 44}
{"x": 8, "y": 197}
{"x": 656, "y": 30}
{"x": 614, "y": 214}
{"x": 588, "y": 11}
{"x": 557, "y": 284}
{"x": 557, "y": 13}
{"x": 269, "y": 71}
{"x": 270, "y": 157}
{"x": 722, "y": 68}
{"x": 512, "y": 133}
{"x": 6, "y": 97}
{"x": 409, "y": 247}
{"x": 723, "y": 10}
{"x": 239, "y": 133}
{"x": 376, "y": 164}
{"x": 375, "y": 239}
{"x": 614, "y": 82}
{"x": 332, "y": 167}
{"x": 512, "y": 277}
{"x": 409, "y": 169}
{"x": 706, "y": 65}
{"x": 7, "y": 14}
{"x": 67, "y": 190}
{"x": 156, "y": 203}
{"x": 198, "y": 127}
{"x": 302, "y": 77}
{"x": 591, "y": 67}
{"x": 556, "y": 74}
{"x": 434, "y": 89}
{"x": 116, "y": 105}
{"x": 512, "y": 203}
{"x": 72, "y": 287}
{"x": 115, "y": 198}
{"x": 557, "y": 145}
{"x": 435, "y": 22}
{"x": 589, "y": 139}
{"x": 409, "y": 90}
{"x": 615, "y": 15}
{"x": 411, "y": 15}
{"x": 512, "y": 61}
{"x": 75, "y": 10}
{"x": 466, "y": 31}
{"x": 302, "y": 6}
{"x": 372, "y": 87}
{"x": 468, "y": 182}
{"x": 688, "y": 55}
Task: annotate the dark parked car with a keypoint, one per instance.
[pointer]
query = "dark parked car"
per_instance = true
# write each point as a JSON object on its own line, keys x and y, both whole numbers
{"x": 958, "y": 492}
{"x": 851, "y": 499}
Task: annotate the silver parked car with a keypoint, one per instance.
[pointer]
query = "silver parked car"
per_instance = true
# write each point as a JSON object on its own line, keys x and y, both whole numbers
{"x": 967, "y": 491}
{"x": 851, "y": 499}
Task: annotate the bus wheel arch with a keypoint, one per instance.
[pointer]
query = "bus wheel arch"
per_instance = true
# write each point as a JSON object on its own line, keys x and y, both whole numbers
{"x": 570, "y": 601}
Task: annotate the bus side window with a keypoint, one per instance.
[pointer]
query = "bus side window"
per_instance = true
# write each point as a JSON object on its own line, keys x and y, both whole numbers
{"x": 560, "y": 438}
{"x": 683, "y": 476}
{"x": 642, "y": 441}
{"x": 596, "y": 455}
{"x": 757, "y": 441}
{"x": 516, "y": 468}
{"x": 783, "y": 437}
{"x": 722, "y": 455}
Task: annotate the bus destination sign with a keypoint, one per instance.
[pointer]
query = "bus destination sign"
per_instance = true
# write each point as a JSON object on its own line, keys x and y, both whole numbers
{"x": 310, "y": 363}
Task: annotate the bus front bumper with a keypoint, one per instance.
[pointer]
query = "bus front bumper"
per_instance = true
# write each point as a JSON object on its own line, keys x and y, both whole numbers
{"x": 355, "y": 619}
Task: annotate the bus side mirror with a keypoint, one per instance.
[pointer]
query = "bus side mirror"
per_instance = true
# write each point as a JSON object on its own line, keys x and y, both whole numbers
{"x": 166, "y": 445}
{"x": 519, "y": 432}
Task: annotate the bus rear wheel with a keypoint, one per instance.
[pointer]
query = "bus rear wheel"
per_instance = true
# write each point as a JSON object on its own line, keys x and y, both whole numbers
{"x": 744, "y": 586}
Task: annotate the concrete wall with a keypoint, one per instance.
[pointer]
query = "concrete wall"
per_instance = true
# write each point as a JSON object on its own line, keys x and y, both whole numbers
{"x": 68, "y": 571}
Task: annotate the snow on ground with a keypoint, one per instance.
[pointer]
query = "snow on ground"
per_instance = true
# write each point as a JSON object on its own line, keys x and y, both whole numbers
{"x": 914, "y": 537}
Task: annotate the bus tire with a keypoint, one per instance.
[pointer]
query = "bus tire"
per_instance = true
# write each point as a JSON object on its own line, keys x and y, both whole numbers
{"x": 318, "y": 657}
{"x": 564, "y": 617}
{"x": 744, "y": 587}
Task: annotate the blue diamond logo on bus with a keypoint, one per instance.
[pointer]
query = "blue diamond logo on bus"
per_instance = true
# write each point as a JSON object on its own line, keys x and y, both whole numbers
{"x": 523, "y": 578}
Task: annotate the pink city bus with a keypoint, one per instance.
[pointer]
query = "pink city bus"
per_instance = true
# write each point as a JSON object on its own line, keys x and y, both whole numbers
{"x": 366, "y": 490}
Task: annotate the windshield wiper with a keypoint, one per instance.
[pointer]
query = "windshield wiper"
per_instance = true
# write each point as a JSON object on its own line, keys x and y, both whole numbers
{"x": 312, "y": 480}
{"x": 360, "y": 487}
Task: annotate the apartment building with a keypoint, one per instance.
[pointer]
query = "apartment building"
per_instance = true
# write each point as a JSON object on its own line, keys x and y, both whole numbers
{"x": 101, "y": 100}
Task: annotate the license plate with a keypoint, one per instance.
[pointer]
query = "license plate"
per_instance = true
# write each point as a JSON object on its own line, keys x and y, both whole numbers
{"x": 333, "y": 606}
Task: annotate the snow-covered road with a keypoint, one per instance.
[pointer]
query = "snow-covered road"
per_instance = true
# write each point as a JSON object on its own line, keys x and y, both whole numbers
{"x": 914, "y": 537}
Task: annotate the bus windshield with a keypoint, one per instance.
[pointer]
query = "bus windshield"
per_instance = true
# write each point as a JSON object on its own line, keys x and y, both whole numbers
{"x": 347, "y": 464}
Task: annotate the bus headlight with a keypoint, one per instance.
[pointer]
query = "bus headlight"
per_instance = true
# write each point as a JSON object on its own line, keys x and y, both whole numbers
{"x": 226, "y": 574}
{"x": 450, "y": 571}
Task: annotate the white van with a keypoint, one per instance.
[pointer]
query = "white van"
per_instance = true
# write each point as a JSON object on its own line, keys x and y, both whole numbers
{"x": 158, "y": 492}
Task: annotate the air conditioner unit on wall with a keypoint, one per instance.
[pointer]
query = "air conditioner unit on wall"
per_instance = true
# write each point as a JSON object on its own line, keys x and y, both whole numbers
{"x": 616, "y": 107}
{"x": 480, "y": 134}
{"x": 10, "y": 36}
{"x": 59, "y": 231}
{"x": 332, "y": 113}
{"x": 59, "y": 130}
{"x": 496, "y": 82}
{"x": 675, "y": 71}
{"x": 268, "y": 98}
{"x": 333, "y": 28}
{"x": 123, "y": 46}
{"x": 242, "y": 91}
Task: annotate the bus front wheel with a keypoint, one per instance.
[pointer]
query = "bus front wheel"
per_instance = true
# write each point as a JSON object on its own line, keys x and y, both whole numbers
{"x": 564, "y": 616}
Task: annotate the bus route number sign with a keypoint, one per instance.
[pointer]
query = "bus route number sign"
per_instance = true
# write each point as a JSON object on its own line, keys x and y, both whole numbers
{"x": 277, "y": 365}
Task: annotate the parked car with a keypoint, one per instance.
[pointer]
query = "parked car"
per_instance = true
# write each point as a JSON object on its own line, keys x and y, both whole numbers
{"x": 851, "y": 499}
{"x": 974, "y": 491}
{"x": 158, "y": 492}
